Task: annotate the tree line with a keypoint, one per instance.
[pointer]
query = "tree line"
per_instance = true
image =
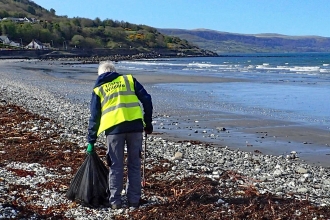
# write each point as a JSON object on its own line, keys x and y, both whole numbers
{"x": 88, "y": 33}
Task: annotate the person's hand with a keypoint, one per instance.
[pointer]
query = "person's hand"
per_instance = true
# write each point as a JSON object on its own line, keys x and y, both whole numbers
{"x": 90, "y": 148}
{"x": 148, "y": 129}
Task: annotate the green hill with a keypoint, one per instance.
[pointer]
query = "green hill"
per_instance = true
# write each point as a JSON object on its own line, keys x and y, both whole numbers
{"x": 23, "y": 8}
{"x": 224, "y": 42}
{"x": 61, "y": 32}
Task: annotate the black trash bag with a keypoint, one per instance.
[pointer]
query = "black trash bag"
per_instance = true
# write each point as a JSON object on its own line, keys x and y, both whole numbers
{"x": 90, "y": 185}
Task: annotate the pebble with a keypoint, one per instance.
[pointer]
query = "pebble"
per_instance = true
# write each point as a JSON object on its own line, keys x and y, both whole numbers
{"x": 278, "y": 175}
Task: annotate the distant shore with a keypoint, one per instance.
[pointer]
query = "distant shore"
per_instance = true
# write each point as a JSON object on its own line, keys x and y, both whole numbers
{"x": 98, "y": 54}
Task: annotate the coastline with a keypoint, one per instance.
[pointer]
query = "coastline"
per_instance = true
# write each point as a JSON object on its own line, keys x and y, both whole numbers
{"x": 246, "y": 133}
{"x": 172, "y": 121}
{"x": 228, "y": 180}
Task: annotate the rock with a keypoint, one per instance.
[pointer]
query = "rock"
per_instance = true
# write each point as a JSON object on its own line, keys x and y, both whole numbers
{"x": 177, "y": 156}
{"x": 221, "y": 161}
{"x": 301, "y": 170}
{"x": 277, "y": 173}
{"x": 302, "y": 190}
{"x": 326, "y": 182}
{"x": 221, "y": 129}
{"x": 220, "y": 201}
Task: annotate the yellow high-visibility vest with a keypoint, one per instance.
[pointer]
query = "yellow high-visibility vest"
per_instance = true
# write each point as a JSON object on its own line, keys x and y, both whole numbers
{"x": 118, "y": 102}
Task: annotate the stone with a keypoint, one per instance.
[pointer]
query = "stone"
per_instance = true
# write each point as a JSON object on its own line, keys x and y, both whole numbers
{"x": 277, "y": 173}
{"x": 178, "y": 155}
{"x": 221, "y": 129}
{"x": 301, "y": 170}
{"x": 302, "y": 190}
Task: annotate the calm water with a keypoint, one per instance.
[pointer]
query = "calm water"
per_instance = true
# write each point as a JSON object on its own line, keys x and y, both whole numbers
{"x": 292, "y": 87}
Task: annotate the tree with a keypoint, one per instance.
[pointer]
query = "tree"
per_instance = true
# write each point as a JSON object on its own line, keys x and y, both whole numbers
{"x": 169, "y": 39}
{"x": 97, "y": 22}
{"x": 76, "y": 22}
{"x": 4, "y": 14}
{"x": 66, "y": 29}
{"x": 84, "y": 32}
{"x": 25, "y": 31}
{"x": 90, "y": 43}
{"x": 8, "y": 28}
{"x": 116, "y": 33}
{"x": 31, "y": 10}
{"x": 85, "y": 22}
{"x": 77, "y": 40}
{"x": 45, "y": 35}
{"x": 52, "y": 11}
{"x": 109, "y": 22}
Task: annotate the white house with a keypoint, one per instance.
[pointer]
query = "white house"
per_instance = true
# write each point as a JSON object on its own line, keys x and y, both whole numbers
{"x": 35, "y": 44}
{"x": 4, "y": 39}
{"x": 18, "y": 20}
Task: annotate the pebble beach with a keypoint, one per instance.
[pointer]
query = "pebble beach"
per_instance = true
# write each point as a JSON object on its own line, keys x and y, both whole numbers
{"x": 32, "y": 85}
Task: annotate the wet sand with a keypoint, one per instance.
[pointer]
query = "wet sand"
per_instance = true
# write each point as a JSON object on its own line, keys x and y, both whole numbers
{"x": 247, "y": 133}
{"x": 254, "y": 135}
{"x": 251, "y": 134}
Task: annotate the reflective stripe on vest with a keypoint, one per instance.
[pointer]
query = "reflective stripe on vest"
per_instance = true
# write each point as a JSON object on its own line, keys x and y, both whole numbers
{"x": 118, "y": 102}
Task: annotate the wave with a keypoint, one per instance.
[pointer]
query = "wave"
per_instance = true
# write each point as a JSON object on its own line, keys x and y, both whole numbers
{"x": 148, "y": 63}
{"x": 246, "y": 66}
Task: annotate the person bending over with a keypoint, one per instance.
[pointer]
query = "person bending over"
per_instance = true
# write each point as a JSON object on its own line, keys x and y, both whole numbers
{"x": 116, "y": 110}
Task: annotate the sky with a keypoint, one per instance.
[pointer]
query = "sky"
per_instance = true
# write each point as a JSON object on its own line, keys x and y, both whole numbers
{"x": 288, "y": 17}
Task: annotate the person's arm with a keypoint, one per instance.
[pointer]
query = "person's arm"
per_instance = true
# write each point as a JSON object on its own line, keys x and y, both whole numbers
{"x": 145, "y": 99}
{"x": 94, "y": 120}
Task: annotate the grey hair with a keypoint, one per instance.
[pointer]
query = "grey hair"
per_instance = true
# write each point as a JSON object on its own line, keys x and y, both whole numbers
{"x": 106, "y": 66}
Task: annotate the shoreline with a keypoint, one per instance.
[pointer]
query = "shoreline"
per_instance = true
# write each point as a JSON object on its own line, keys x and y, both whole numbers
{"x": 250, "y": 134}
{"x": 221, "y": 189}
{"x": 246, "y": 133}
{"x": 228, "y": 180}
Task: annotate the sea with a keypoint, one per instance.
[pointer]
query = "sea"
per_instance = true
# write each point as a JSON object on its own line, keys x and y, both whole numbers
{"x": 276, "y": 103}
{"x": 286, "y": 86}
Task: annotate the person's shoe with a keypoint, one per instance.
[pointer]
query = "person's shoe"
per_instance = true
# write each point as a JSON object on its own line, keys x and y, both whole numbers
{"x": 116, "y": 206}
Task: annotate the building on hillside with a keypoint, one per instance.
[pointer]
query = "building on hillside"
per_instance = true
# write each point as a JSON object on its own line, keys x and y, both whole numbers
{"x": 17, "y": 20}
{"x": 33, "y": 20}
{"x": 20, "y": 20}
{"x": 4, "y": 39}
{"x": 30, "y": 20}
{"x": 37, "y": 45}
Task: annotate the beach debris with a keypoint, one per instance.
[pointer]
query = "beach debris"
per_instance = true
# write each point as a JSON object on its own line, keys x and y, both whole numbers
{"x": 293, "y": 155}
{"x": 177, "y": 156}
{"x": 195, "y": 187}
{"x": 220, "y": 128}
